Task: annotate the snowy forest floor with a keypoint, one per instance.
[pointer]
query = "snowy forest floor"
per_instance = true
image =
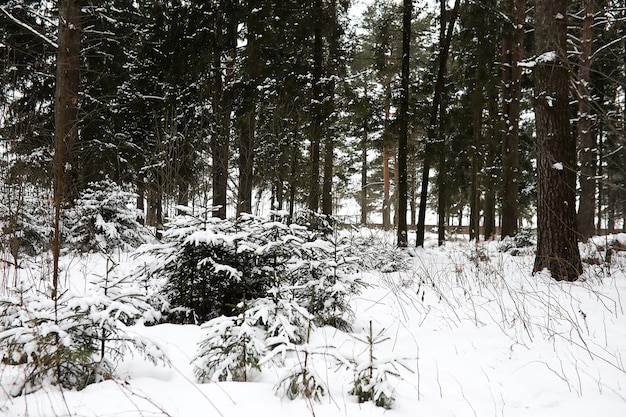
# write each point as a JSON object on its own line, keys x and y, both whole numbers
{"x": 472, "y": 333}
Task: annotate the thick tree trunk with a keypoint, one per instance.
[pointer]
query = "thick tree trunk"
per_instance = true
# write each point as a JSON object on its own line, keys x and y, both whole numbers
{"x": 512, "y": 49}
{"x": 557, "y": 243}
{"x": 66, "y": 100}
{"x": 66, "y": 119}
{"x": 586, "y": 138}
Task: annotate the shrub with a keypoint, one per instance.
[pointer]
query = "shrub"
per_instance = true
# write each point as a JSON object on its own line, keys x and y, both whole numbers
{"x": 212, "y": 265}
{"x": 102, "y": 220}
{"x": 75, "y": 340}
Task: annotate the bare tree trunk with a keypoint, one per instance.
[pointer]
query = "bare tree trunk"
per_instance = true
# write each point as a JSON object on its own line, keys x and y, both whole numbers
{"x": 225, "y": 24}
{"x": 386, "y": 190}
{"x": 403, "y": 119}
{"x": 329, "y": 143}
{"x": 587, "y": 145}
{"x": 247, "y": 117}
{"x": 66, "y": 118}
{"x": 512, "y": 50}
{"x": 477, "y": 106}
{"x": 445, "y": 38}
{"x": 386, "y": 176}
{"x": 490, "y": 177}
{"x": 316, "y": 127}
{"x": 364, "y": 144}
{"x": 557, "y": 243}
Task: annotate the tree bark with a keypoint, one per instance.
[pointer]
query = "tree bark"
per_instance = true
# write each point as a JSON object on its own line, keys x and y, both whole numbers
{"x": 66, "y": 95}
{"x": 557, "y": 243}
{"x": 512, "y": 50}
{"x": 586, "y": 138}
{"x": 445, "y": 38}
{"x": 477, "y": 108}
{"x": 247, "y": 117}
{"x": 329, "y": 142}
{"x": 403, "y": 119}
{"x": 316, "y": 127}
{"x": 364, "y": 145}
{"x": 65, "y": 118}
{"x": 386, "y": 176}
{"x": 225, "y": 45}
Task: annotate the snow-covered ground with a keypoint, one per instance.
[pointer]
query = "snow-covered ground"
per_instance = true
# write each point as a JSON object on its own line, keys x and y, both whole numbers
{"x": 471, "y": 331}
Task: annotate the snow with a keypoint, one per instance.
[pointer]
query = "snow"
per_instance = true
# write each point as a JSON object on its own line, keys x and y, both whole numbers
{"x": 558, "y": 166}
{"x": 478, "y": 335}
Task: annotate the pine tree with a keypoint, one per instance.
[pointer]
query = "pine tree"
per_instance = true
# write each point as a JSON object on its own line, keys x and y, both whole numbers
{"x": 557, "y": 236}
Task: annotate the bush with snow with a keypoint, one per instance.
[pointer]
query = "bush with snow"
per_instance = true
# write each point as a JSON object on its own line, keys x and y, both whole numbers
{"x": 103, "y": 219}
{"x": 523, "y": 243}
{"x": 26, "y": 224}
{"x": 231, "y": 349}
{"x": 211, "y": 265}
{"x": 75, "y": 339}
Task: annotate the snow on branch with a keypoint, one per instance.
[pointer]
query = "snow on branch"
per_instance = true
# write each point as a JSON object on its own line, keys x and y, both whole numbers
{"x": 29, "y": 28}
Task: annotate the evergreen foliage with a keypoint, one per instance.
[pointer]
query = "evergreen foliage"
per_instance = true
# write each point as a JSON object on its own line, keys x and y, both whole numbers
{"x": 102, "y": 220}
{"x": 373, "y": 377}
{"x": 231, "y": 350}
{"x": 77, "y": 339}
{"x": 212, "y": 265}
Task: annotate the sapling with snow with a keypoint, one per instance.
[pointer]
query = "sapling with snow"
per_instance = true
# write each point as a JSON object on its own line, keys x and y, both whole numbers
{"x": 231, "y": 349}
{"x": 373, "y": 378}
{"x": 103, "y": 219}
{"x": 75, "y": 339}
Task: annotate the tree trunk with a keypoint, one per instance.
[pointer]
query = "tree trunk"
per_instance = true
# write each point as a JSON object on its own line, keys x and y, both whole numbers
{"x": 403, "y": 119}
{"x": 490, "y": 177}
{"x": 247, "y": 118}
{"x": 66, "y": 100}
{"x": 225, "y": 27}
{"x": 477, "y": 108}
{"x": 316, "y": 127}
{"x": 386, "y": 176}
{"x": 512, "y": 49}
{"x": 66, "y": 118}
{"x": 557, "y": 243}
{"x": 364, "y": 144}
{"x": 386, "y": 190}
{"x": 246, "y": 159}
{"x": 329, "y": 145}
{"x": 445, "y": 38}
{"x": 586, "y": 138}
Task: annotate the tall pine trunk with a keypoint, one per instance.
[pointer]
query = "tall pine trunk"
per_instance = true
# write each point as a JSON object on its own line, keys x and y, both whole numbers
{"x": 65, "y": 118}
{"x": 586, "y": 138}
{"x": 364, "y": 145}
{"x": 557, "y": 236}
{"x": 512, "y": 49}
{"x": 445, "y": 38}
{"x": 225, "y": 45}
{"x": 403, "y": 119}
{"x": 247, "y": 117}
{"x": 386, "y": 176}
{"x": 316, "y": 126}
